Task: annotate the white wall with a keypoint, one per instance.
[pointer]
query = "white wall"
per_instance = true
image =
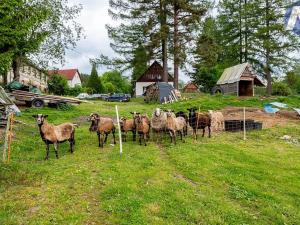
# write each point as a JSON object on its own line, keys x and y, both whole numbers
{"x": 139, "y": 87}
{"x": 76, "y": 81}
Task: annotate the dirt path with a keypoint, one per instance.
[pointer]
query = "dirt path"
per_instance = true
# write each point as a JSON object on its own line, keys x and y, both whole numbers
{"x": 269, "y": 120}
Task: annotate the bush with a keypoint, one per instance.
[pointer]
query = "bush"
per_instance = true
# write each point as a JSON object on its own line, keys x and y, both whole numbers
{"x": 281, "y": 89}
{"x": 75, "y": 90}
{"x": 58, "y": 85}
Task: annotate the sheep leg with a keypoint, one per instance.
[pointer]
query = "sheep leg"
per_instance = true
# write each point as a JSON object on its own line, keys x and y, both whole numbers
{"x": 203, "y": 132}
{"x": 113, "y": 132}
{"x": 56, "y": 149}
{"x": 180, "y": 132}
{"x": 105, "y": 140}
{"x": 174, "y": 137}
{"x": 145, "y": 139}
{"x": 209, "y": 132}
{"x": 140, "y": 139}
{"x": 72, "y": 142}
{"x": 99, "y": 139}
{"x": 134, "y": 135}
{"x": 47, "y": 151}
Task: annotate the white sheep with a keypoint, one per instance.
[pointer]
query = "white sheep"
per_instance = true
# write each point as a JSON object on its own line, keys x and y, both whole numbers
{"x": 217, "y": 120}
{"x": 158, "y": 121}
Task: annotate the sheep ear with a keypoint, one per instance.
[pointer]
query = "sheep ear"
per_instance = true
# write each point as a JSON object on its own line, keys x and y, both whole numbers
{"x": 45, "y": 116}
{"x": 189, "y": 109}
{"x": 34, "y": 116}
{"x": 173, "y": 110}
{"x": 131, "y": 113}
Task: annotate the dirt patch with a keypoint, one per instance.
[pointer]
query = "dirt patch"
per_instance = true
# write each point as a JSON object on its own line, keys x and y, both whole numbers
{"x": 82, "y": 119}
{"x": 269, "y": 120}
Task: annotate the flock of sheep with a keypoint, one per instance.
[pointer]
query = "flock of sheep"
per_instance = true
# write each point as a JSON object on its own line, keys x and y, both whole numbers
{"x": 160, "y": 123}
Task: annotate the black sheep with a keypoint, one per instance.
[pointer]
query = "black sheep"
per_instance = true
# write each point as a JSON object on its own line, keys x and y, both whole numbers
{"x": 199, "y": 121}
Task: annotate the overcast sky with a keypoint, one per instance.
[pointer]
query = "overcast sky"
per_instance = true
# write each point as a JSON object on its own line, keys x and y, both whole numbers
{"x": 93, "y": 18}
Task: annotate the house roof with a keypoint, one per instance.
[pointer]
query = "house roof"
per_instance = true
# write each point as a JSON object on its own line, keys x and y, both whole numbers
{"x": 234, "y": 74}
{"x": 68, "y": 73}
{"x": 154, "y": 74}
{"x": 191, "y": 85}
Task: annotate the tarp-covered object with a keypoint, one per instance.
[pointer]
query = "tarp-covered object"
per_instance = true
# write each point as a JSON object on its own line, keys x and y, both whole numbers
{"x": 161, "y": 92}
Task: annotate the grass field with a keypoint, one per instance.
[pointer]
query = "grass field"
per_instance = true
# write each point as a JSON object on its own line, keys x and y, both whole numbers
{"x": 222, "y": 180}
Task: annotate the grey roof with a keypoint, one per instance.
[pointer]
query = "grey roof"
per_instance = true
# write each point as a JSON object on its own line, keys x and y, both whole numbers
{"x": 233, "y": 74}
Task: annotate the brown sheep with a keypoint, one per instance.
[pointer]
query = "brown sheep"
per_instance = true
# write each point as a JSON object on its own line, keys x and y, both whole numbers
{"x": 175, "y": 124}
{"x": 142, "y": 127}
{"x": 102, "y": 125}
{"x": 128, "y": 125}
{"x": 52, "y": 134}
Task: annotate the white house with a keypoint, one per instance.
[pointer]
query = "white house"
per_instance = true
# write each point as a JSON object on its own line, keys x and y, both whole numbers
{"x": 29, "y": 75}
{"x": 72, "y": 76}
{"x": 153, "y": 74}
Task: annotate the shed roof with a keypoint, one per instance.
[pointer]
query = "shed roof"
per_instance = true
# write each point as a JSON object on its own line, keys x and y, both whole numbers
{"x": 234, "y": 74}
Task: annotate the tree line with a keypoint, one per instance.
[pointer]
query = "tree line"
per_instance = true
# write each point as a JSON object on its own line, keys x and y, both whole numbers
{"x": 108, "y": 83}
{"x": 200, "y": 42}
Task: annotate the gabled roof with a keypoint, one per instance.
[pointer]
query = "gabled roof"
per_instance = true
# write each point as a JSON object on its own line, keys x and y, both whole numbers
{"x": 191, "y": 85}
{"x": 154, "y": 74}
{"x": 234, "y": 74}
{"x": 68, "y": 73}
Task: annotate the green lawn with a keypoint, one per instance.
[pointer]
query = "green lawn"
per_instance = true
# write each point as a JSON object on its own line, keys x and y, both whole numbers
{"x": 222, "y": 180}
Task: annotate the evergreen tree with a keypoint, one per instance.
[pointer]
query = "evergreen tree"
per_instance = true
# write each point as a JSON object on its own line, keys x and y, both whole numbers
{"x": 187, "y": 15}
{"x": 254, "y": 31}
{"x": 94, "y": 81}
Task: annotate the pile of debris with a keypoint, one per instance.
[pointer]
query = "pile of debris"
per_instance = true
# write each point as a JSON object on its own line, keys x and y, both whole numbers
{"x": 161, "y": 92}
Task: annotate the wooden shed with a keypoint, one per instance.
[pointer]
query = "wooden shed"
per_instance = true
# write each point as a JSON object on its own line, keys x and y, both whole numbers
{"x": 191, "y": 88}
{"x": 239, "y": 80}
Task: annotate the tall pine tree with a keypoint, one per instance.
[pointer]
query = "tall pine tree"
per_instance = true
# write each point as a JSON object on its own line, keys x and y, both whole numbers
{"x": 94, "y": 81}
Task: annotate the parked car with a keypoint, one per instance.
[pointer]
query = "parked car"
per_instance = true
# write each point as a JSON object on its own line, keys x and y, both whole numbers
{"x": 83, "y": 96}
{"x": 118, "y": 98}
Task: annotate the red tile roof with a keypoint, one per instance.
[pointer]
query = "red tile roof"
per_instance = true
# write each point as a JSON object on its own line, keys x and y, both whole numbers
{"x": 68, "y": 74}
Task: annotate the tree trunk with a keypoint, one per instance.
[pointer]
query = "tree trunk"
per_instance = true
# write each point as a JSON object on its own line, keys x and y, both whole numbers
{"x": 240, "y": 31}
{"x": 164, "y": 39}
{"x": 176, "y": 46}
{"x": 4, "y": 78}
{"x": 267, "y": 48}
{"x": 16, "y": 64}
{"x": 246, "y": 30}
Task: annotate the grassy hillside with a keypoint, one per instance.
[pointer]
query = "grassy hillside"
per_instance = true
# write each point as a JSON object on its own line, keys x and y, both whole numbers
{"x": 222, "y": 180}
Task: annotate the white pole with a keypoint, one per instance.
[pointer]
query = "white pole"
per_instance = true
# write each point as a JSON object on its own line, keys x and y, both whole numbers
{"x": 244, "y": 123}
{"x": 119, "y": 128}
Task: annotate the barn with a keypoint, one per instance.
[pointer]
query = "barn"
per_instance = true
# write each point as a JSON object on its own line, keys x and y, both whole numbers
{"x": 152, "y": 75}
{"x": 238, "y": 80}
{"x": 191, "y": 88}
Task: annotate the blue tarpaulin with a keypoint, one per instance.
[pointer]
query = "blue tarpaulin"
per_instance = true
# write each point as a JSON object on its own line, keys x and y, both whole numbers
{"x": 269, "y": 109}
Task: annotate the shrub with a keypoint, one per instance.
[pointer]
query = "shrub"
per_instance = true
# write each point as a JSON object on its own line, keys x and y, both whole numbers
{"x": 75, "y": 90}
{"x": 281, "y": 89}
{"x": 58, "y": 85}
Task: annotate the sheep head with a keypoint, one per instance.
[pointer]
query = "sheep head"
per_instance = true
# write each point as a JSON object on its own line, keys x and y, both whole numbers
{"x": 94, "y": 118}
{"x": 40, "y": 118}
{"x": 170, "y": 113}
{"x": 157, "y": 112}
